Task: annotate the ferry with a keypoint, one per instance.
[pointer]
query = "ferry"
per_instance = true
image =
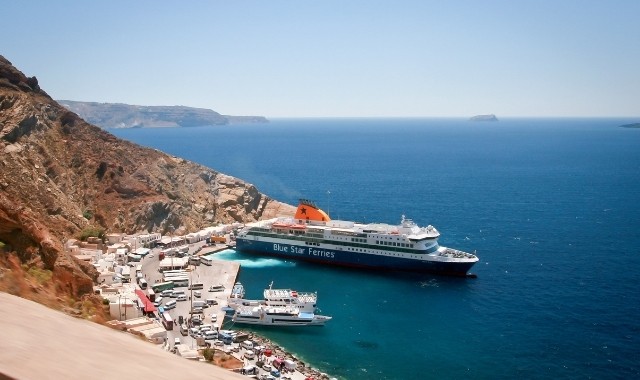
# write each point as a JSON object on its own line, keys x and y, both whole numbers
{"x": 311, "y": 235}
{"x": 303, "y": 301}
{"x": 276, "y": 316}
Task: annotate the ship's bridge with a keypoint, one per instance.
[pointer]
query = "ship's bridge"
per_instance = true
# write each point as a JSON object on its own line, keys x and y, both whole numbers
{"x": 413, "y": 232}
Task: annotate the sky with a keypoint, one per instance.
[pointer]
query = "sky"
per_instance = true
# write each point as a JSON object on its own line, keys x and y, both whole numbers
{"x": 402, "y": 58}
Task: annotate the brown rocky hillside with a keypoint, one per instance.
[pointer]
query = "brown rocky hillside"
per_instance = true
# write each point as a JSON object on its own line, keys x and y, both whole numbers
{"x": 60, "y": 175}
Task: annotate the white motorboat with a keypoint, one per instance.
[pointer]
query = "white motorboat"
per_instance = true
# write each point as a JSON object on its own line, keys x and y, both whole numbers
{"x": 277, "y": 316}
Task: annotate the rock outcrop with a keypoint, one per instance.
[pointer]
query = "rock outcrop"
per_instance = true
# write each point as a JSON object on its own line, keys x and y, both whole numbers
{"x": 60, "y": 174}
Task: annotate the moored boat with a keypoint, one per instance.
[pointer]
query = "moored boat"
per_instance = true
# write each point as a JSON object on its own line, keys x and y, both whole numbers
{"x": 311, "y": 235}
{"x": 303, "y": 301}
{"x": 276, "y": 316}
{"x": 237, "y": 291}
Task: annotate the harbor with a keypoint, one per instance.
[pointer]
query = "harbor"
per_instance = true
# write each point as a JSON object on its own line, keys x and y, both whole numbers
{"x": 178, "y": 320}
{"x": 225, "y": 274}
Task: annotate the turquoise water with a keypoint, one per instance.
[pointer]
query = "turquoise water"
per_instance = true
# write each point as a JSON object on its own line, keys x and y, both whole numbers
{"x": 551, "y": 206}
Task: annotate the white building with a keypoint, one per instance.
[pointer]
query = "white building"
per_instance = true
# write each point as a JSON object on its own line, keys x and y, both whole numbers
{"x": 173, "y": 263}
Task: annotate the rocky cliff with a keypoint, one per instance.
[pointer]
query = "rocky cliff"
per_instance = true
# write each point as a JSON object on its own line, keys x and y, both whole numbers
{"x": 117, "y": 115}
{"x": 60, "y": 174}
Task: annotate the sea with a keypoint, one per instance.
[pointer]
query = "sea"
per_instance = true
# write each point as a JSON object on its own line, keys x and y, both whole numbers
{"x": 551, "y": 206}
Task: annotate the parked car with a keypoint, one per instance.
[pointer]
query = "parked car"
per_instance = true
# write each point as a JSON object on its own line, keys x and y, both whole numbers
{"x": 249, "y": 354}
{"x": 211, "y": 301}
{"x": 196, "y": 320}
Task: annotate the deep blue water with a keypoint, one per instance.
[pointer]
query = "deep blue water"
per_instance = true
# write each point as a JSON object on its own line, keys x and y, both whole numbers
{"x": 551, "y": 206}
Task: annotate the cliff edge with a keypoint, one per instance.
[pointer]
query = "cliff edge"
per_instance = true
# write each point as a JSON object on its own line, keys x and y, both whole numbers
{"x": 60, "y": 175}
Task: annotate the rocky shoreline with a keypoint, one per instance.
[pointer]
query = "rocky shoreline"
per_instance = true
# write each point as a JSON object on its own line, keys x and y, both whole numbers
{"x": 280, "y": 352}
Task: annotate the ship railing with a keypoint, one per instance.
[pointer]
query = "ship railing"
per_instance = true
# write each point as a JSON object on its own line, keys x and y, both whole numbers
{"x": 454, "y": 253}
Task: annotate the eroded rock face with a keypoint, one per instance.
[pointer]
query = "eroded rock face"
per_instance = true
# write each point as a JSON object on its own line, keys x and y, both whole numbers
{"x": 59, "y": 174}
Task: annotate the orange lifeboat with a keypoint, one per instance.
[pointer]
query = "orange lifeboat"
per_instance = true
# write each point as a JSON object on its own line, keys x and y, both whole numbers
{"x": 280, "y": 225}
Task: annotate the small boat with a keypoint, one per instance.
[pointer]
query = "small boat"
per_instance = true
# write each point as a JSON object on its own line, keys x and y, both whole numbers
{"x": 237, "y": 291}
{"x": 276, "y": 316}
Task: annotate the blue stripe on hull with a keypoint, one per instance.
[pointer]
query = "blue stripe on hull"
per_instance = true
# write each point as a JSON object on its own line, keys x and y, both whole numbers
{"x": 352, "y": 259}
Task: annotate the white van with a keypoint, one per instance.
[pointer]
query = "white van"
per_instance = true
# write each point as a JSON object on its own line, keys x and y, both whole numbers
{"x": 198, "y": 303}
{"x": 184, "y": 330}
{"x": 158, "y": 301}
{"x": 210, "y": 335}
{"x": 178, "y": 293}
{"x": 196, "y": 286}
{"x": 249, "y": 354}
{"x": 170, "y": 305}
{"x": 181, "y": 297}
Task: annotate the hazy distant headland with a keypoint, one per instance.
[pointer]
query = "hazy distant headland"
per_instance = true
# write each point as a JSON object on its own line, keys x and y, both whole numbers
{"x": 632, "y": 125}
{"x": 118, "y": 115}
{"x": 490, "y": 117}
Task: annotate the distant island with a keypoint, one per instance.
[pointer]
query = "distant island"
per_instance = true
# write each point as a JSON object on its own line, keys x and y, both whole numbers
{"x": 491, "y": 117}
{"x": 118, "y": 115}
{"x": 632, "y": 125}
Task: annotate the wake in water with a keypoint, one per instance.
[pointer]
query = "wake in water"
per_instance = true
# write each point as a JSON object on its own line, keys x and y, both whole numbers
{"x": 247, "y": 261}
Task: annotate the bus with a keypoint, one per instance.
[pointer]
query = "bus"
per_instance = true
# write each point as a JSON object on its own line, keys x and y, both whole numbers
{"x": 167, "y": 321}
{"x": 169, "y": 278}
{"x": 205, "y": 260}
{"x": 179, "y": 282}
{"x": 151, "y": 294}
{"x": 194, "y": 260}
{"x": 159, "y": 287}
{"x": 175, "y": 272}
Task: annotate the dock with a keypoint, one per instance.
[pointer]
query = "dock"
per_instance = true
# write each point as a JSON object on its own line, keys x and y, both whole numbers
{"x": 224, "y": 273}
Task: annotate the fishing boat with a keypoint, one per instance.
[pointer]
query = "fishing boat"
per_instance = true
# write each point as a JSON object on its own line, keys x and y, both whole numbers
{"x": 311, "y": 235}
